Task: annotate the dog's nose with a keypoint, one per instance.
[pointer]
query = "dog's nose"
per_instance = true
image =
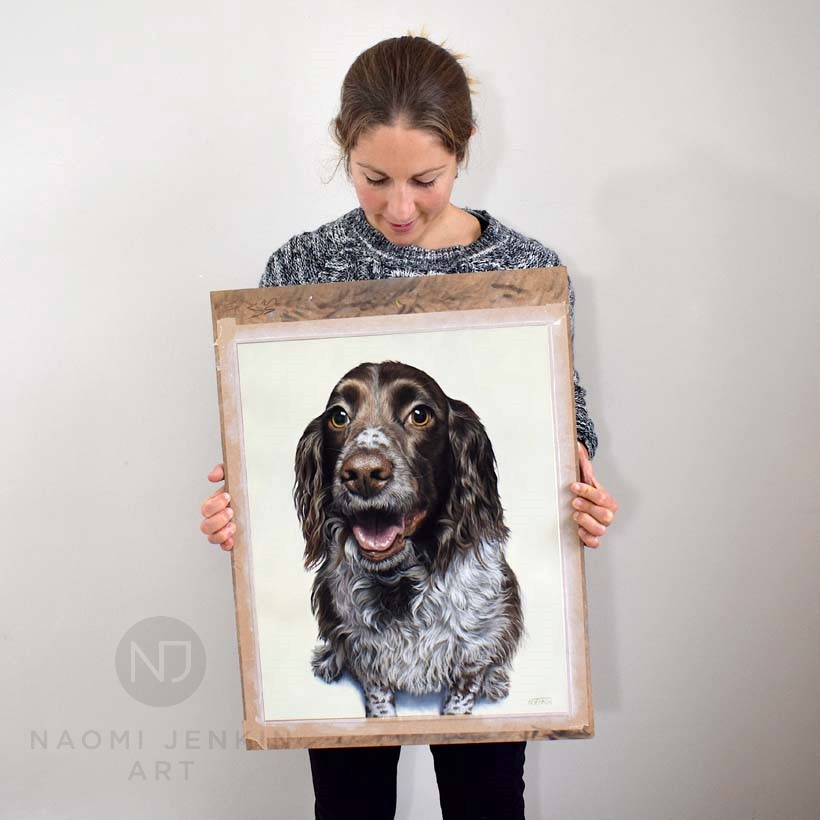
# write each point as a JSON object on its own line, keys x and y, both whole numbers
{"x": 366, "y": 473}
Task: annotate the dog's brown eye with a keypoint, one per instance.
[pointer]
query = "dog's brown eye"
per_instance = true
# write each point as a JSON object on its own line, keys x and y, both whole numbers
{"x": 421, "y": 416}
{"x": 339, "y": 418}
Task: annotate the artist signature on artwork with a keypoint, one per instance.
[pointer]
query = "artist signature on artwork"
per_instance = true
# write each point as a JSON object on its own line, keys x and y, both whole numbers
{"x": 540, "y": 701}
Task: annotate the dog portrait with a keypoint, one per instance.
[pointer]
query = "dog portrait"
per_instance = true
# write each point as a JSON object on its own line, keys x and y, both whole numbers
{"x": 406, "y": 567}
{"x": 397, "y": 496}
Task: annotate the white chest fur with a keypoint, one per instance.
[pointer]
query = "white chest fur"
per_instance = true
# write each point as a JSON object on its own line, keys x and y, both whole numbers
{"x": 418, "y": 630}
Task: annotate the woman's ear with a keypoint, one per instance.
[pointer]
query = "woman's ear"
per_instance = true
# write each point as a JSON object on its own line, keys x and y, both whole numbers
{"x": 309, "y": 490}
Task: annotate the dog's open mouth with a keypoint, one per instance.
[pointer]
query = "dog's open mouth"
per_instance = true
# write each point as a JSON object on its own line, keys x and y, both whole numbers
{"x": 380, "y": 534}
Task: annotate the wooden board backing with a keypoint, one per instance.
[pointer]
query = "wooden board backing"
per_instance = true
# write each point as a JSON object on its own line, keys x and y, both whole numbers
{"x": 385, "y": 297}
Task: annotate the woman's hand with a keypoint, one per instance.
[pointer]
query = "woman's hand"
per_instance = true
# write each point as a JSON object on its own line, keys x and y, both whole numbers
{"x": 217, "y": 513}
{"x": 594, "y": 508}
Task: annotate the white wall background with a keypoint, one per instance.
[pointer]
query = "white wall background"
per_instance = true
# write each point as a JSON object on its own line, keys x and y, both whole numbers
{"x": 151, "y": 152}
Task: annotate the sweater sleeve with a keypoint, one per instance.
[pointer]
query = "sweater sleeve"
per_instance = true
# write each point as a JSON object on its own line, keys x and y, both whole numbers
{"x": 275, "y": 273}
{"x": 585, "y": 429}
{"x": 297, "y": 262}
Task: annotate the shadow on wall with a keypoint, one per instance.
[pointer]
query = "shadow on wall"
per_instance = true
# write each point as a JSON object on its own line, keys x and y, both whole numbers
{"x": 716, "y": 276}
{"x": 704, "y": 337}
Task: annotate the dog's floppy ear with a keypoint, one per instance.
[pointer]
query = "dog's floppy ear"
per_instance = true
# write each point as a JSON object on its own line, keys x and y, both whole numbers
{"x": 309, "y": 491}
{"x": 473, "y": 512}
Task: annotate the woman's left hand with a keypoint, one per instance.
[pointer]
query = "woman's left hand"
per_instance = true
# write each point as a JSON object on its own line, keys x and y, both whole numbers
{"x": 594, "y": 508}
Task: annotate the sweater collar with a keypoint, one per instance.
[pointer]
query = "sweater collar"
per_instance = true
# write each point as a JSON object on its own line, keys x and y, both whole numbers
{"x": 413, "y": 254}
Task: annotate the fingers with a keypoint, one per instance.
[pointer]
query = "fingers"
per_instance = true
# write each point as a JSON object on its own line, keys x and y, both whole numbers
{"x": 596, "y": 494}
{"x": 222, "y": 536}
{"x": 585, "y": 466}
{"x": 588, "y": 523}
{"x": 217, "y": 515}
{"x": 603, "y": 515}
{"x": 588, "y": 539}
{"x": 594, "y": 510}
{"x": 215, "y": 503}
{"x": 211, "y": 524}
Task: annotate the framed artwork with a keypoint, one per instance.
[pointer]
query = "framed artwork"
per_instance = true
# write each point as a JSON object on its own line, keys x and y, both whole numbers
{"x": 399, "y": 455}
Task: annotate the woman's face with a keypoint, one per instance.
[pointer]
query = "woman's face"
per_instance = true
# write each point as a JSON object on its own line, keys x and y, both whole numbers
{"x": 403, "y": 179}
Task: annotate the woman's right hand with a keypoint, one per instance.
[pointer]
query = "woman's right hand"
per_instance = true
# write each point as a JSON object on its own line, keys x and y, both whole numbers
{"x": 217, "y": 514}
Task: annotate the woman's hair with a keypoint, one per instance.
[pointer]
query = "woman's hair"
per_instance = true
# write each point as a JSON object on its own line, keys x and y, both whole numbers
{"x": 411, "y": 79}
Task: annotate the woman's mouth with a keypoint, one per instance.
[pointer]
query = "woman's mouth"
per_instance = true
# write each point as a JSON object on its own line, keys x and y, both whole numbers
{"x": 402, "y": 227}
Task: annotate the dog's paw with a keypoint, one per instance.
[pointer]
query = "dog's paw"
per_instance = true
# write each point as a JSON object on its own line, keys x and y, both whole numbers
{"x": 496, "y": 684}
{"x": 379, "y": 702}
{"x": 458, "y": 703}
{"x": 326, "y": 663}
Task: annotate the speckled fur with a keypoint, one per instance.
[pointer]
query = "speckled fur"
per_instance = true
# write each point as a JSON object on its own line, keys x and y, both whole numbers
{"x": 458, "y": 630}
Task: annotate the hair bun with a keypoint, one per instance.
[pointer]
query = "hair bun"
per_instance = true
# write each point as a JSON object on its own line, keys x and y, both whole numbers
{"x": 412, "y": 79}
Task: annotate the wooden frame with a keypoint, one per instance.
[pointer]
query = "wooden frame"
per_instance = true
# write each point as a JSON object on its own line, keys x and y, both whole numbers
{"x": 535, "y": 298}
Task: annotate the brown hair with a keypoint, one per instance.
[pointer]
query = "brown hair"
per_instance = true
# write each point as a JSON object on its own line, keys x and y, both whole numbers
{"x": 410, "y": 79}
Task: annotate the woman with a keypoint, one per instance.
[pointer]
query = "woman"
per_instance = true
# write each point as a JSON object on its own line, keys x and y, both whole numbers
{"x": 403, "y": 129}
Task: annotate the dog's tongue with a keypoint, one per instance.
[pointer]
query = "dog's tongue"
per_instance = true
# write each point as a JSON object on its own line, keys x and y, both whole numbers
{"x": 376, "y": 538}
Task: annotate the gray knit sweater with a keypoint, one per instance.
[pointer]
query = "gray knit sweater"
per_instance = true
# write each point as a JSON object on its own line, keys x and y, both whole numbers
{"x": 349, "y": 248}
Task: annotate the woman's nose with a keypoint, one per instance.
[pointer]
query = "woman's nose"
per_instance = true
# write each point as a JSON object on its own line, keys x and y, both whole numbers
{"x": 401, "y": 207}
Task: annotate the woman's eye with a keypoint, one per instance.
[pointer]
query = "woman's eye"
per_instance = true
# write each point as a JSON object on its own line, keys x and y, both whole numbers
{"x": 383, "y": 180}
{"x": 339, "y": 418}
{"x": 421, "y": 416}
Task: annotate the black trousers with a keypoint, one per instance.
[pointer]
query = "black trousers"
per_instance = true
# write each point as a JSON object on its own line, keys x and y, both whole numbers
{"x": 479, "y": 781}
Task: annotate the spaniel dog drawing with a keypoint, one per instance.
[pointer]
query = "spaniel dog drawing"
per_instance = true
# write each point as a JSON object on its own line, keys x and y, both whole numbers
{"x": 396, "y": 492}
